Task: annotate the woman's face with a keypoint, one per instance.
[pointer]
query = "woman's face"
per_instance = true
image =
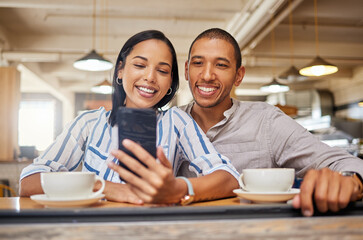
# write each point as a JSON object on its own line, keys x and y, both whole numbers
{"x": 146, "y": 76}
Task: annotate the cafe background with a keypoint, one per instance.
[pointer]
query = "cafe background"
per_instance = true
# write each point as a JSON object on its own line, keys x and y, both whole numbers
{"x": 40, "y": 41}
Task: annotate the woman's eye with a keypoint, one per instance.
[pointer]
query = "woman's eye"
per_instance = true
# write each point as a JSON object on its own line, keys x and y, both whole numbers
{"x": 139, "y": 65}
{"x": 163, "y": 71}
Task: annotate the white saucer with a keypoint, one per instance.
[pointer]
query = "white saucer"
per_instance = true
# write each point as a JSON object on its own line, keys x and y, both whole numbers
{"x": 267, "y": 197}
{"x": 54, "y": 202}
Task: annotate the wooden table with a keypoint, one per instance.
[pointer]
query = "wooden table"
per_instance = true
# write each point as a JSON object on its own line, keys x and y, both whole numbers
{"x": 222, "y": 219}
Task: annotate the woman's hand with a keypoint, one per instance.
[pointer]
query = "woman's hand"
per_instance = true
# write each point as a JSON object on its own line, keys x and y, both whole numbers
{"x": 119, "y": 192}
{"x": 155, "y": 183}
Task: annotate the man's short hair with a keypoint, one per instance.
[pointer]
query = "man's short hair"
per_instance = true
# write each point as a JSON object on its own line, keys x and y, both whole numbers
{"x": 217, "y": 33}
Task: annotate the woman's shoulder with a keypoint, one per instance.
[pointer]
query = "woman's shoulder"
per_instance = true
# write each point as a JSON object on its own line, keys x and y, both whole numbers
{"x": 90, "y": 116}
{"x": 176, "y": 114}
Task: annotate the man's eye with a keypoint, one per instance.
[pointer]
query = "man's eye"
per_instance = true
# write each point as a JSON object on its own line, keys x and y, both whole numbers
{"x": 222, "y": 65}
{"x": 197, "y": 63}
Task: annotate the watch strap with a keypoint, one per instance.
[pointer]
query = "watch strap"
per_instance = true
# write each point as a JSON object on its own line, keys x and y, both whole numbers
{"x": 358, "y": 179}
{"x": 190, "y": 197}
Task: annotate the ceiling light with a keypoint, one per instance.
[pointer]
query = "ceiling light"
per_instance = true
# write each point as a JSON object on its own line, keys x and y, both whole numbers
{"x": 93, "y": 62}
{"x": 104, "y": 87}
{"x": 292, "y": 75}
{"x": 274, "y": 87}
{"x": 318, "y": 67}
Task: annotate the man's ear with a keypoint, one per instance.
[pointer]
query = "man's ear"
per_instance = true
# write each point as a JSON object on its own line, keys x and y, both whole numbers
{"x": 186, "y": 70}
{"x": 239, "y": 76}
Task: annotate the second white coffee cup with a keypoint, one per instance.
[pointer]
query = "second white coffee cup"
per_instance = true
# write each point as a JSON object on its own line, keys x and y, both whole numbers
{"x": 267, "y": 179}
{"x": 70, "y": 185}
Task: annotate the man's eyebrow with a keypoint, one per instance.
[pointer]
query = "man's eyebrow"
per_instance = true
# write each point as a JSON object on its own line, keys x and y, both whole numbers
{"x": 223, "y": 59}
{"x": 220, "y": 58}
{"x": 145, "y": 59}
{"x": 195, "y": 57}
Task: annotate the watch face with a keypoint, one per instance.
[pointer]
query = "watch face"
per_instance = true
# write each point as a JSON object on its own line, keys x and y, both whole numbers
{"x": 347, "y": 173}
{"x": 186, "y": 200}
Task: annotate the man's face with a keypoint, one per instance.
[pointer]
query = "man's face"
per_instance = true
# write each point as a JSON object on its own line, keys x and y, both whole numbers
{"x": 211, "y": 72}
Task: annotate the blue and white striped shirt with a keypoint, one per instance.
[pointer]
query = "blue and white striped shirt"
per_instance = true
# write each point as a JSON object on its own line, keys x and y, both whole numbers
{"x": 89, "y": 139}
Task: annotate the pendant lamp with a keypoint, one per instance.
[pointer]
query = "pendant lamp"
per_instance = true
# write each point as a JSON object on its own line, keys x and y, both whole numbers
{"x": 93, "y": 61}
{"x": 274, "y": 86}
{"x": 105, "y": 87}
{"x": 291, "y": 74}
{"x": 318, "y": 67}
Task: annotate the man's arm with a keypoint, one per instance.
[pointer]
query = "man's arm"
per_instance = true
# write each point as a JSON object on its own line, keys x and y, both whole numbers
{"x": 327, "y": 190}
{"x": 323, "y": 186}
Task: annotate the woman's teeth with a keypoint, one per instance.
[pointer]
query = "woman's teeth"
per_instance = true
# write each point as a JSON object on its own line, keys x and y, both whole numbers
{"x": 147, "y": 90}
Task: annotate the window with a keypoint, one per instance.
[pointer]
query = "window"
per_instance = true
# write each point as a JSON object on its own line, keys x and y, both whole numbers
{"x": 36, "y": 123}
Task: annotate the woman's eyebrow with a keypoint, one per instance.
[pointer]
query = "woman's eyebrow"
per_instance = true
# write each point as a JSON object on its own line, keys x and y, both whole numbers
{"x": 165, "y": 63}
{"x": 145, "y": 59}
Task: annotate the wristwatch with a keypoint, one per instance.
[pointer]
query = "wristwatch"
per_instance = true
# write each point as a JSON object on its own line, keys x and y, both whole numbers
{"x": 351, "y": 174}
{"x": 187, "y": 199}
{"x": 356, "y": 176}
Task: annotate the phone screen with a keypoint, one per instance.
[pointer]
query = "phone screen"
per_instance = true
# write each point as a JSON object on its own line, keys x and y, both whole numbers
{"x": 138, "y": 125}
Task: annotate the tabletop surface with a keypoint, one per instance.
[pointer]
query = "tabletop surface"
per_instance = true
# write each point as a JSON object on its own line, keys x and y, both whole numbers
{"x": 228, "y": 218}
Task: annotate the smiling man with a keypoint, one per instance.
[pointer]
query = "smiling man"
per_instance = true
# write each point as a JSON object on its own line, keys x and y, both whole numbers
{"x": 258, "y": 135}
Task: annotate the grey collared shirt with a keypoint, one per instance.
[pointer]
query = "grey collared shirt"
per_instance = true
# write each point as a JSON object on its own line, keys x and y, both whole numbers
{"x": 258, "y": 135}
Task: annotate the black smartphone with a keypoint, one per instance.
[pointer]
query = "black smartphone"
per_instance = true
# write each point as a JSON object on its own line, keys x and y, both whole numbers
{"x": 138, "y": 125}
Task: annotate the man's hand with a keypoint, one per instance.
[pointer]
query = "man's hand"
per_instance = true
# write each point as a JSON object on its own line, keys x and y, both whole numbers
{"x": 155, "y": 183}
{"x": 327, "y": 189}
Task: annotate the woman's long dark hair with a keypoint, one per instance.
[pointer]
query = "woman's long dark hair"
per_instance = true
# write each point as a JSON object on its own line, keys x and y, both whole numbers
{"x": 119, "y": 95}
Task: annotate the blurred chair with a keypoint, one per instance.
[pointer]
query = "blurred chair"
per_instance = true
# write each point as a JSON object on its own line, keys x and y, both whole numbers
{"x": 5, "y": 189}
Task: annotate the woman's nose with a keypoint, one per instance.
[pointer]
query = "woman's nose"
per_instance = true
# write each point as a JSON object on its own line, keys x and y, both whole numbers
{"x": 150, "y": 75}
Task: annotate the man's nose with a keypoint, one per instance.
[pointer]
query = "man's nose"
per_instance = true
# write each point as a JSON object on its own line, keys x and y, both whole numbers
{"x": 208, "y": 73}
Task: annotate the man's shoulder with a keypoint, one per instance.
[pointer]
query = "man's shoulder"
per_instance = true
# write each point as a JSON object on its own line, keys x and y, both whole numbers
{"x": 253, "y": 106}
{"x": 187, "y": 107}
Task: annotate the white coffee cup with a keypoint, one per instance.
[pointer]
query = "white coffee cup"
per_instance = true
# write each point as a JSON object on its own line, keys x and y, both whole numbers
{"x": 267, "y": 179}
{"x": 70, "y": 185}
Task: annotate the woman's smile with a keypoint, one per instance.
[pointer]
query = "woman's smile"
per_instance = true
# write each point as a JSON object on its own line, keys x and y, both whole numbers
{"x": 146, "y": 91}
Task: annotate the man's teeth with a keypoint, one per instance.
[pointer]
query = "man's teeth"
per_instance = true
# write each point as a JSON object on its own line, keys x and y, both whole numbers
{"x": 207, "y": 89}
{"x": 146, "y": 90}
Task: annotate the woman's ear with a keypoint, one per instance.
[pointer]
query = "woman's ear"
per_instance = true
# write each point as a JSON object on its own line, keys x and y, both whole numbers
{"x": 120, "y": 71}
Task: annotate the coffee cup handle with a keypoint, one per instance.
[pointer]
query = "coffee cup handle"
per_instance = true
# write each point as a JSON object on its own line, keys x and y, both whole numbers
{"x": 99, "y": 192}
{"x": 241, "y": 184}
